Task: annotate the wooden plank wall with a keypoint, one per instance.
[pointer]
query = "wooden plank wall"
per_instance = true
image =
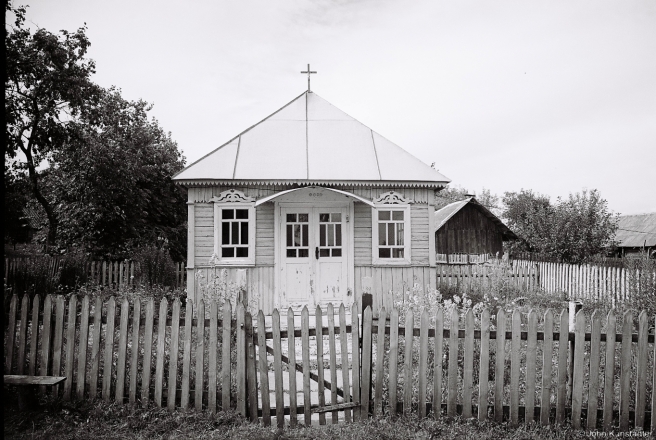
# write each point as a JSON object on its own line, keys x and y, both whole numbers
{"x": 419, "y": 234}
{"x": 392, "y": 284}
{"x": 257, "y": 281}
{"x": 362, "y": 232}
{"x": 469, "y": 232}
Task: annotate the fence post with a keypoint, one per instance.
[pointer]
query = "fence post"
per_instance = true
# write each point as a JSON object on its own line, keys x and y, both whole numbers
{"x": 574, "y": 307}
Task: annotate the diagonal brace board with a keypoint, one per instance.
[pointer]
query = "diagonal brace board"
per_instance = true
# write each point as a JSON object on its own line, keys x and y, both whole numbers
{"x": 314, "y": 377}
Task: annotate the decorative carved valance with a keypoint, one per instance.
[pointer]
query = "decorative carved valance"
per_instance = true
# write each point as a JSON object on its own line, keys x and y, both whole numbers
{"x": 391, "y": 198}
{"x": 231, "y": 196}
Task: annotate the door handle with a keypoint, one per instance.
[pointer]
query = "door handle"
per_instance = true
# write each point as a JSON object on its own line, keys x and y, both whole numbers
{"x": 316, "y": 252}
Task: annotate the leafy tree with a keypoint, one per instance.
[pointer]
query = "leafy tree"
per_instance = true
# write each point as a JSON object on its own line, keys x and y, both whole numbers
{"x": 572, "y": 230}
{"x": 112, "y": 181}
{"x": 47, "y": 83}
{"x": 457, "y": 193}
{"x": 15, "y": 186}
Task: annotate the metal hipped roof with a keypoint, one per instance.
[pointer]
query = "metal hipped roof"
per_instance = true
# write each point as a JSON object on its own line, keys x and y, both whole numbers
{"x": 310, "y": 140}
{"x": 636, "y": 230}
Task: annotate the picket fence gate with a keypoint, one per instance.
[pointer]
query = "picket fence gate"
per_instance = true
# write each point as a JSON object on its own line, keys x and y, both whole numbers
{"x": 215, "y": 358}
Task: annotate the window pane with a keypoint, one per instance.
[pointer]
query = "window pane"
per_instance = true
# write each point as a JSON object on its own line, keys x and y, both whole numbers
{"x": 234, "y": 239}
{"x": 324, "y": 252}
{"x": 383, "y": 253}
{"x": 322, "y": 235}
{"x": 242, "y": 252}
{"x": 338, "y": 235}
{"x": 291, "y": 218}
{"x": 305, "y": 235}
{"x": 382, "y": 234}
{"x": 303, "y": 253}
{"x": 291, "y": 253}
{"x": 390, "y": 233}
{"x": 242, "y": 213}
{"x": 297, "y": 235}
{"x": 289, "y": 235}
{"x": 324, "y": 218}
{"x": 331, "y": 235}
{"x": 383, "y": 215}
{"x": 399, "y": 234}
{"x": 227, "y": 214}
{"x": 228, "y": 252}
{"x": 397, "y": 252}
{"x": 225, "y": 233}
{"x": 303, "y": 218}
{"x": 244, "y": 232}
{"x": 397, "y": 215}
{"x": 336, "y": 217}
{"x": 337, "y": 252}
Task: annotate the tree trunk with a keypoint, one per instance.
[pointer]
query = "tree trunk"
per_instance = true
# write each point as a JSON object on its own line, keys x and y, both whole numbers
{"x": 36, "y": 191}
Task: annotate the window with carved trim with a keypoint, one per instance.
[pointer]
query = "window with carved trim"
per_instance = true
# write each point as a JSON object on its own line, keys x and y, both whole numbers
{"x": 234, "y": 229}
{"x": 391, "y": 230}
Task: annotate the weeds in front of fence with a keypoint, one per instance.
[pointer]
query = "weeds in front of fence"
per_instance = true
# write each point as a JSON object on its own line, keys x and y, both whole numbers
{"x": 82, "y": 420}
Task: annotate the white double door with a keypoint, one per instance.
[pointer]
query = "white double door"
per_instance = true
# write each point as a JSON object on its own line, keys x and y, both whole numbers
{"x": 314, "y": 244}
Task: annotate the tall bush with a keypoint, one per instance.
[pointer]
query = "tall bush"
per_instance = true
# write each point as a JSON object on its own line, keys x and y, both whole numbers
{"x": 154, "y": 266}
{"x": 641, "y": 277}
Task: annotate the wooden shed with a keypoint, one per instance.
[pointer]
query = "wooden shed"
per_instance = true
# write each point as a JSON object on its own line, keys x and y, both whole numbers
{"x": 636, "y": 235}
{"x": 467, "y": 232}
{"x": 309, "y": 206}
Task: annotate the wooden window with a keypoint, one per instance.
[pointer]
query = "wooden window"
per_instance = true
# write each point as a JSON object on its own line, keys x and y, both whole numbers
{"x": 234, "y": 230}
{"x": 391, "y": 235}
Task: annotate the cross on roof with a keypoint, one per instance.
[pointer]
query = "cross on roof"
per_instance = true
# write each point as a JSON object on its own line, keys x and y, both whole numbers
{"x": 308, "y": 71}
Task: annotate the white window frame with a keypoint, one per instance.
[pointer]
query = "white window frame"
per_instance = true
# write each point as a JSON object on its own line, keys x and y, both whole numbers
{"x": 391, "y": 202}
{"x": 233, "y": 199}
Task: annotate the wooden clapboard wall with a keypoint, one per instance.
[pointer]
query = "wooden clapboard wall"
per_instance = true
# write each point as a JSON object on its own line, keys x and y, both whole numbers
{"x": 261, "y": 278}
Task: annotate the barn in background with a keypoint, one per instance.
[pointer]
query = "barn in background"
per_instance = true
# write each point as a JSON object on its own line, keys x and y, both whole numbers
{"x": 636, "y": 235}
{"x": 310, "y": 207}
{"x": 467, "y": 232}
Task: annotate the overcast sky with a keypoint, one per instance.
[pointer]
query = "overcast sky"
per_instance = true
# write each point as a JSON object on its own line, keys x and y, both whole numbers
{"x": 553, "y": 96}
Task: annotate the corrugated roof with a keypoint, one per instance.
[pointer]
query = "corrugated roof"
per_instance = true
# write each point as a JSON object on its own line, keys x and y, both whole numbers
{"x": 636, "y": 230}
{"x": 310, "y": 140}
{"x": 443, "y": 215}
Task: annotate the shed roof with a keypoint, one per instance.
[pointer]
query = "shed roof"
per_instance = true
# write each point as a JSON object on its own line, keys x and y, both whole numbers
{"x": 636, "y": 230}
{"x": 310, "y": 141}
{"x": 443, "y": 215}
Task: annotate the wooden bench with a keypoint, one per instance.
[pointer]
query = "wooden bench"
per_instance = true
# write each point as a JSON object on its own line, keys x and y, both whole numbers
{"x": 28, "y": 387}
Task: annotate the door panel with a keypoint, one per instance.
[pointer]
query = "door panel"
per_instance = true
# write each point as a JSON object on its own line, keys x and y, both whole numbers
{"x": 297, "y": 261}
{"x": 331, "y": 264}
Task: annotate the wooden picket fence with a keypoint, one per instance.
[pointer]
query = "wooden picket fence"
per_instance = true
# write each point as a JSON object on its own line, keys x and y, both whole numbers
{"x": 482, "y": 275}
{"x": 212, "y": 358}
{"x": 585, "y": 281}
{"x": 104, "y": 273}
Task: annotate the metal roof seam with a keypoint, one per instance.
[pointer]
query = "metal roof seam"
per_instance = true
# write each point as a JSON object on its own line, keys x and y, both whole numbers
{"x": 239, "y": 135}
{"x": 234, "y": 171}
{"x": 307, "y": 146}
{"x": 373, "y": 143}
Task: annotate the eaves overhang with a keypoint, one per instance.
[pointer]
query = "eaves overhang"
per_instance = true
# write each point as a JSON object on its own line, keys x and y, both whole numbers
{"x": 324, "y": 183}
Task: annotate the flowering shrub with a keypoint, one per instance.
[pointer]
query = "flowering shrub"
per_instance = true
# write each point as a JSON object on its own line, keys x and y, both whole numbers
{"x": 216, "y": 287}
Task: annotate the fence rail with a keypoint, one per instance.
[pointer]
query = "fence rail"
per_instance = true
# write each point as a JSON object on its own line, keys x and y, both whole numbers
{"x": 104, "y": 273}
{"x": 600, "y": 374}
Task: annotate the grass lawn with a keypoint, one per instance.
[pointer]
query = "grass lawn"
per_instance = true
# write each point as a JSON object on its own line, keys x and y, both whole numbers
{"x": 56, "y": 420}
